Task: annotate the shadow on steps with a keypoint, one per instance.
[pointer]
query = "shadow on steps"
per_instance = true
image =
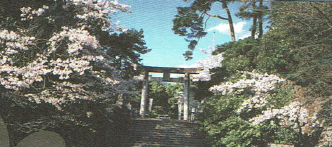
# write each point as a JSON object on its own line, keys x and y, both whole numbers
{"x": 163, "y": 133}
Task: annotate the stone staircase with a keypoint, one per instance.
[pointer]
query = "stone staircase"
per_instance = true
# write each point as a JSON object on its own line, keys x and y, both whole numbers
{"x": 163, "y": 133}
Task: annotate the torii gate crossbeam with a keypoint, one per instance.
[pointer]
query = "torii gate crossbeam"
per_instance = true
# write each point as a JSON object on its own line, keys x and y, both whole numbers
{"x": 166, "y": 77}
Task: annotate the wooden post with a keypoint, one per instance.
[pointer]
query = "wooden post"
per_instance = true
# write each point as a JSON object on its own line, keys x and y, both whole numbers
{"x": 180, "y": 111}
{"x": 150, "y": 105}
{"x": 186, "y": 96}
{"x": 180, "y": 102}
{"x": 144, "y": 94}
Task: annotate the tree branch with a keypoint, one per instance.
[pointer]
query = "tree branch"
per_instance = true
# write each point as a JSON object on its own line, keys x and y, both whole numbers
{"x": 206, "y": 22}
{"x": 216, "y": 16}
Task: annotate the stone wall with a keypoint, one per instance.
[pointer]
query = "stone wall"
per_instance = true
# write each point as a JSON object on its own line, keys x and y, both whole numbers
{"x": 37, "y": 139}
{"x": 4, "y": 138}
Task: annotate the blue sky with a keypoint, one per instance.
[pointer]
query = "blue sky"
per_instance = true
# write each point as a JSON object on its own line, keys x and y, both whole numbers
{"x": 155, "y": 18}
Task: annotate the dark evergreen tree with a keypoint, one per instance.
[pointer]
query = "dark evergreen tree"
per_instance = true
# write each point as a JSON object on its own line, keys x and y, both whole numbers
{"x": 125, "y": 49}
{"x": 190, "y": 21}
{"x": 250, "y": 10}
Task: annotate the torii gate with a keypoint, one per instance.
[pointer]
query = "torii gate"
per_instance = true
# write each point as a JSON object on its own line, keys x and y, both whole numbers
{"x": 166, "y": 78}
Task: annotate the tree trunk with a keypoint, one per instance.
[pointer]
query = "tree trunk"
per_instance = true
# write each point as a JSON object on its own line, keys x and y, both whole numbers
{"x": 230, "y": 21}
{"x": 254, "y": 20}
{"x": 260, "y": 19}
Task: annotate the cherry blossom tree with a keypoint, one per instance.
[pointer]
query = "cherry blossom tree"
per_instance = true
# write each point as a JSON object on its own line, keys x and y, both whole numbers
{"x": 64, "y": 64}
{"x": 56, "y": 69}
{"x": 261, "y": 108}
{"x": 211, "y": 61}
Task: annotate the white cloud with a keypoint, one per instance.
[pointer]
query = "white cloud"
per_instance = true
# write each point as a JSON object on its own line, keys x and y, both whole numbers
{"x": 224, "y": 27}
{"x": 240, "y": 33}
{"x": 244, "y": 36}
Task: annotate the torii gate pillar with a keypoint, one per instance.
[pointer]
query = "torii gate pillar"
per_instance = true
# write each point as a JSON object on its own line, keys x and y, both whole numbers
{"x": 144, "y": 93}
{"x": 186, "y": 96}
{"x": 166, "y": 77}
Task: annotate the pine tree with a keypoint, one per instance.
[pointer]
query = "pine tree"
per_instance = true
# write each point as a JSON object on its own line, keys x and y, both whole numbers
{"x": 250, "y": 10}
{"x": 190, "y": 21}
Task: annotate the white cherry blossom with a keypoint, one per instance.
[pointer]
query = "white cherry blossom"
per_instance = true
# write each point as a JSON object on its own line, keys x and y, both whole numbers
{"x": 69, "y": 77}
{"x": 294, "y": 115}
{"x": 210, "y": 62}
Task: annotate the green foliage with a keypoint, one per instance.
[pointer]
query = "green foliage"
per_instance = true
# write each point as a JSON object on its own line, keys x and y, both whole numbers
{"x": 173, "y": 94}
{"x": 125, "y": 49}
{"x": 174, "y": 89}
{"x": 239, "y": 133}
{"x": 297, "y": 47}
{"x": 270, "y": 132}
{"x": 218, "y": 113}
{"x": 301, "y": 42}
{"x": 281, "y": 97}
{"x": 165, "y": 98}
{"x": 251, "y": 10}
{"x": 158, "y": 93}
{"x": 225, "y": 126}
{"x": 221, "y": 107}
{"x": 191, "y": 22}
{"x": 239, "y": 55}
{"x": 326, "y": 114}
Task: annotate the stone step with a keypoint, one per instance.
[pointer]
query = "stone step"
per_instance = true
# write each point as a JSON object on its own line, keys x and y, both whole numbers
{"x": 163, "y": 133}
